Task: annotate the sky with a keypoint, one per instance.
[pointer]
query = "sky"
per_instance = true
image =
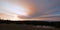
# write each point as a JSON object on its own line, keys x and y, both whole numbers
{"x": 31, "y": 9}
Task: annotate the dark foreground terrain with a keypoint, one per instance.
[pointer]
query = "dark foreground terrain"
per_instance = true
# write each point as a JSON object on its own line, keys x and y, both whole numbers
{"x": 24, "y": 27}
{"x": 29, "y": 25}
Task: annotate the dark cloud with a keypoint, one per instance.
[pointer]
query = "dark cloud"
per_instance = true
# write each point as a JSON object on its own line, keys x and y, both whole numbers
{"x": 45, "y": 7}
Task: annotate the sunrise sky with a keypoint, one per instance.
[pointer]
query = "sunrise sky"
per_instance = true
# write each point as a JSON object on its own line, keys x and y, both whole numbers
{"x": 30, "y": 10}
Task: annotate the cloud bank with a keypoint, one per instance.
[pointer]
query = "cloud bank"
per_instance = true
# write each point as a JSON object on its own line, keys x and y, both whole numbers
{"x": 44, "y": 9}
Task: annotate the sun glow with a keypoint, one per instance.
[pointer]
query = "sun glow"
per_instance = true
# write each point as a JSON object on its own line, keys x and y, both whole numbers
{"x": 10, "y": 10}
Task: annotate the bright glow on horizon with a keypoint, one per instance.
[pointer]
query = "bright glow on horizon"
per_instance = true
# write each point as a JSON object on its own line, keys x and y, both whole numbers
{"x": 11, "y": 11}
